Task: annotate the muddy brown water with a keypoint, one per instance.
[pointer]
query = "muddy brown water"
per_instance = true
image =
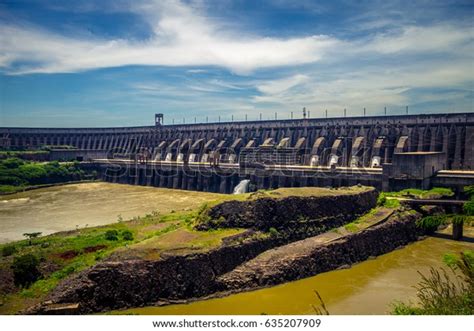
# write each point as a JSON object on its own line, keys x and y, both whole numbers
{"x": 366, "y": 288}
{"x": 61, "y": 208}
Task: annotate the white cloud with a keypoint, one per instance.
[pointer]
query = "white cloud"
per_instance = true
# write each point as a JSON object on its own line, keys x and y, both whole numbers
{"x": 181, "y": 38}
{"x": 373, "y": 88}
{"x": 442, "y": 38}
{"x": 282, "y": 85}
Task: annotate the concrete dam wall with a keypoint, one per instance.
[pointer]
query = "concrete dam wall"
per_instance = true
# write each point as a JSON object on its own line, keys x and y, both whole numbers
{"x": 356, "y": 141}
{"x": 393, "y": 152}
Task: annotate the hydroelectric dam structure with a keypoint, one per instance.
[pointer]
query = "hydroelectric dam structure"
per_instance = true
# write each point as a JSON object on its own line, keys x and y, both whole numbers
{"x": 387, "y": 152}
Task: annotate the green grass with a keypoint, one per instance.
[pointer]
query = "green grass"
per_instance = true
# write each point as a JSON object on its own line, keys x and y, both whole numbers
{"x": 72, "y": 251}
{"x": 11, "y": 188}
{"x": 351, "y": 227}
{"x": 434, "y": 193}
{"x": 384, "y": 200}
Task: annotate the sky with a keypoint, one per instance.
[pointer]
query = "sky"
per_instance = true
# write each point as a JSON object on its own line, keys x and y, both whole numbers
{"x": 85, "y": 63}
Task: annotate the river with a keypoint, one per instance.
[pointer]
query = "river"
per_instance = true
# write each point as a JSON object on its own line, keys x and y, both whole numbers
{"x": 64, "y": 207}
{"x": 366, "y": 288}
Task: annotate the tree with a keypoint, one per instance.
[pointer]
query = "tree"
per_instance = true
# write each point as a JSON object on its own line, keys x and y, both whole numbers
{"x": 25, "y": 270}
{"x": 127, "y": 235}
{"x": 31, "y": 236}
{"x": 111, "y": 235}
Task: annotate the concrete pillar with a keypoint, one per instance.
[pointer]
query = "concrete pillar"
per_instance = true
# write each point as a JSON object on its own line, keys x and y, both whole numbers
{"x": 177, "y": 180}
{"x": 457, "y": 150}
{"x": 458, "y": 230}
{"x": 101, "y": 142}
{"x": 164, "y": 179}
{"x": 223, "y": 185}
{"x": 184, "y": 181}
{"x": 83, "y": 142}
{"x": 433, "y": 140}
{"x": 281, "y": 181}
{"x": 469, "y": 149}
{"x": 156, "y": 179}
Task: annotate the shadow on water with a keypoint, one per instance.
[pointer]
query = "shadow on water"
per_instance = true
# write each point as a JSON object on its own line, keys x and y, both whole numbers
{"x": 449, "y": 237}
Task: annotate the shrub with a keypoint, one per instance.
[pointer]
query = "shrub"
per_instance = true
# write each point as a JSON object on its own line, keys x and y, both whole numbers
{"x": 459, "y": 219}
{"x": 127, "y": 235}
{"x": 9, "y": 250}
{"x": 31, "y": 236}
{"x": 14, "y": 171}
{"x": 12, "y": 180}
{"x": 392, "y": 203}
{"x": 381, "y": 199}
{"x": 273, "y": 232}
{"x": 468, "y": 207}
{"x": 13, "y": 163}
{"x": 431, "y": 223}
{"x": 202, "y": 216}
{"x": 25, "y": 270}
{"x": 111, "y": 235}
{"x": 469, "y": 190}
{"x": 442, "y": 294}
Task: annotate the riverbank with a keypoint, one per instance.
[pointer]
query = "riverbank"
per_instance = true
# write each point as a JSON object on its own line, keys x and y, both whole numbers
{"x": 20, "y": 175}
{"x": 366, "y": 288}
{"x": 19, "y": 189}
{"x": 66, "y": 207}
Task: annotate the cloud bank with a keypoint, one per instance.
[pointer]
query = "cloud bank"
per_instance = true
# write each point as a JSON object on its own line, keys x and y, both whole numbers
{"x": 181, "y": 37}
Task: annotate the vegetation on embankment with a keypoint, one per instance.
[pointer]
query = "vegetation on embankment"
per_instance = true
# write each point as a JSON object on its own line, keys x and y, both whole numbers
{"x": 444, "y": 291}
{"x": 390, "y": 199}
{"x": 63, "y": 254}
{"x": 23, "y": 154}
{"x": 432, "y": 222}
{"x": 17, "y": 174}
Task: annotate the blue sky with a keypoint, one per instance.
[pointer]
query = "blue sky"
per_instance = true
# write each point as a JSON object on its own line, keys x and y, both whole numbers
{"x": 116, "y": 63}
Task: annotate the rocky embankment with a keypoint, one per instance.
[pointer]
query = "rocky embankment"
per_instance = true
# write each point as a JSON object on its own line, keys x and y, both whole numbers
{"x": 231, "y": 267}
{"x": 290, "y": 214}
{"x": 310, "y": 256}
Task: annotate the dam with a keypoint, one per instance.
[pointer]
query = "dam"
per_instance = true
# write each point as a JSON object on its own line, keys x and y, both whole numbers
{"x": 387, "y": 152}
